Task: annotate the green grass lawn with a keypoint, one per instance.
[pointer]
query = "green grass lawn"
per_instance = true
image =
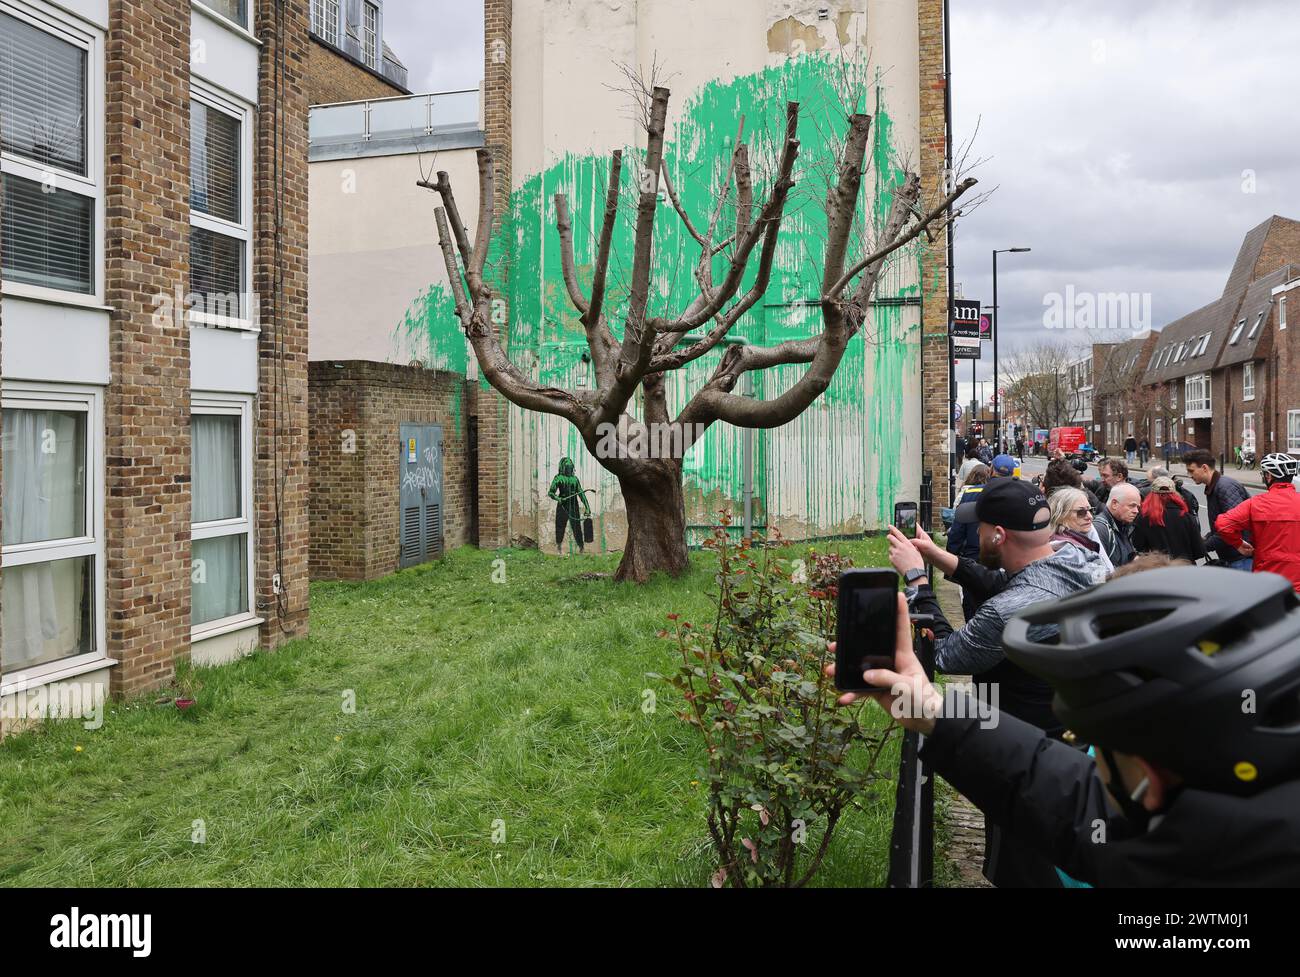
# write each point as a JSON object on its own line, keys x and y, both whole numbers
{"x": 476, "y": 703}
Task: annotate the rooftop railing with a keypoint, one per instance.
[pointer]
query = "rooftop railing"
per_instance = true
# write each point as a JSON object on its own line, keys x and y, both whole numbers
{"x": 411, "y": 117}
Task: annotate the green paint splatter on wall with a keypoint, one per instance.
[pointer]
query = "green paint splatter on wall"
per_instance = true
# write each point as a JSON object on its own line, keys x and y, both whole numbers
{"x": 430, "y": 332}
{"x": 546, "y": 337}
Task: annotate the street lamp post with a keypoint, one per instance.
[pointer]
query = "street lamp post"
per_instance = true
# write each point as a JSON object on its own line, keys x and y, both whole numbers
{"x": 997, "y": 328}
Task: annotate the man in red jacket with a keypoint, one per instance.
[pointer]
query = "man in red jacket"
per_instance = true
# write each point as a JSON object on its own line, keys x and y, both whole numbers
{"x": 1272, "y": 519}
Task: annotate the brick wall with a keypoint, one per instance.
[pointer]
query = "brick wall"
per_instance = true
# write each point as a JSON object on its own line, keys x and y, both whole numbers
{"x": 936, "y": 421}
{"x": 147, "y": 407}
{"x": 355, "y": 493}
{"x": 281, "y": 486}
{"x": 331, "y": 77}
{"x": 490, "y": 406}
{"x": 1228, "y": 400}
{"x": 1281, "y": 247}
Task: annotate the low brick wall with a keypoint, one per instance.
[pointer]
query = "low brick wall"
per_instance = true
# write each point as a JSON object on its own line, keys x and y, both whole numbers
{"x": 356, "y": 409}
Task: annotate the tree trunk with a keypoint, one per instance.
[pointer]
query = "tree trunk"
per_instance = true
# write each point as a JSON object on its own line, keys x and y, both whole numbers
{"x": 656, "y": 521}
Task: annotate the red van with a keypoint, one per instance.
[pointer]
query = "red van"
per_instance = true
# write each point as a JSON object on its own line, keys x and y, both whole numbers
{"x": 1067, "y": 439}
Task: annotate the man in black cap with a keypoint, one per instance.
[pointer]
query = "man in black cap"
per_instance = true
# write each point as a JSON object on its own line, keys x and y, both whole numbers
{"x": 1014, "y": 540}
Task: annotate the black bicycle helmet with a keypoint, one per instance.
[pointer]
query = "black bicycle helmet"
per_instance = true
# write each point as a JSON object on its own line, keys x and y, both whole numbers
{"x": 1195, "y": 669}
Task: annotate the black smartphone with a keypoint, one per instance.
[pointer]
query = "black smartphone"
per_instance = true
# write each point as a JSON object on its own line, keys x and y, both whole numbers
{"x": 905, "y": 518}
{"x": 866, "y": 626}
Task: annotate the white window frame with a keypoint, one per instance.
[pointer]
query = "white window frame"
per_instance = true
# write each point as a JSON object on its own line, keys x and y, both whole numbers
{"x": 371, "y": 41}
{"x": 241, "y": 406}
{"x": 1293, "y": 430}
{"x": 65, "y": 27}
{"x": 1247, "y": 426}
{"x": 1248, "y": 380}
{"x": 243, "y": 231}
{"x": 67, "y": 397}
{"x": 1254, "y": 329}
{"x": 1281, "y": 312}
{"x": 1236, "y": 332}
{"x": 1196, "y": 396}
{"x": 318, "y": 22}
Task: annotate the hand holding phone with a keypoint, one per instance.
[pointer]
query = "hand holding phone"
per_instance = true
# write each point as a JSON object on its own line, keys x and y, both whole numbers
{"x": 866, "y": 626}
{"x": 905, "y": 518}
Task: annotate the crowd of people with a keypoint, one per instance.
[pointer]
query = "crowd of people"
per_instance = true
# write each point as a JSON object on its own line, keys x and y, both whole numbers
{"x": 1108, "y": 648}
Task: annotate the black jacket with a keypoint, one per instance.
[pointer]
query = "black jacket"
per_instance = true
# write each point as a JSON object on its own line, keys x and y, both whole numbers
{"x": 1222, "y": 495}
{"x": 1116, "y": 538}
{"x": 1180, "y": 536}
{"x": 963, "y": 537}
{"x": 1047, "y": 796}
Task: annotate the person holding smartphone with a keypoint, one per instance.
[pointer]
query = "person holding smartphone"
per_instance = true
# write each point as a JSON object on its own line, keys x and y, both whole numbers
{"x": 1182, "y": 787}
{"x": 1016, "y": 549}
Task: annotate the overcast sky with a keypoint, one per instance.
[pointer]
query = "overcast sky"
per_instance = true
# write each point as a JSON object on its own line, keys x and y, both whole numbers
{"x": 1117, "y": 133}
{"x": 439, "y": 41}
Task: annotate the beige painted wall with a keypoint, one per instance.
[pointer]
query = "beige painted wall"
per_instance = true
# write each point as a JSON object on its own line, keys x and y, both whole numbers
{"x": 374, "y": 249}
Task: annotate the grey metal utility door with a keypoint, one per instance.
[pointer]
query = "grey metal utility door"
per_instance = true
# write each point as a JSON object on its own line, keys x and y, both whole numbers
{"x": 420, "y": 473}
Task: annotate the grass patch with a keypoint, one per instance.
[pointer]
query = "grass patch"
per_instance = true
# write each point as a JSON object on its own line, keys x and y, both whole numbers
{"x": 476, "y": 703}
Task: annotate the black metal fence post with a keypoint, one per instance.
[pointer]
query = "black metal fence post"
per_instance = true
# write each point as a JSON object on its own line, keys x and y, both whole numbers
{"x": 911, "y": 844}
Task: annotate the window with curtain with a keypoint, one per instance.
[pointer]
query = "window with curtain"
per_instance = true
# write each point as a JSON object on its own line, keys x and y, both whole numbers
{"x": 48, "y": 230}
{"x": 49, "y": 546}
{"x": 219, "y": 229}
{"x": 1248, "y": 381}
{"x": 221, "y": 520}
{"x": 236, "y": 10}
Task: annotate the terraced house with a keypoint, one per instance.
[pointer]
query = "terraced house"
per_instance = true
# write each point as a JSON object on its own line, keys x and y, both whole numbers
{"x": 1220, "y": 375}
{"x": 154, "y": 337}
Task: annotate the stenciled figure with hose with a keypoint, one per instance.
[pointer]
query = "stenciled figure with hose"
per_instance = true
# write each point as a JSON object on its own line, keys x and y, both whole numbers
{"x": 567, "y": 492}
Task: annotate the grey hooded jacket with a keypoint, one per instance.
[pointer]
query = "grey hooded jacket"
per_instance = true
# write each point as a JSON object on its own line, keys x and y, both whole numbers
{"x": 976, "y": 648}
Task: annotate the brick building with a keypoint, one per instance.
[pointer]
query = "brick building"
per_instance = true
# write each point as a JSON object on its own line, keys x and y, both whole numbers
{"x": 154, "y": 338}
{"x": 1119, "y": 402}
{"x": 348, "y": 59}
{"x": 364, "y": 415}
{"x": 371, "y": 238}
{"x": 1222, "y": 374}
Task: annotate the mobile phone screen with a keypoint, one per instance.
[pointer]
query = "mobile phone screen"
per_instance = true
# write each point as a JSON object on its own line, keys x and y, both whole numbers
{"x": 905, "y": 518}
{"x": 867, "y": 625}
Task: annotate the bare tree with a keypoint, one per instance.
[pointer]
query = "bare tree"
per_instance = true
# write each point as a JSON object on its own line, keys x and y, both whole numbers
{"x": 1040, "y": 384}
{"x": 645, "y": 453}
{"x": 1119, "y": 385}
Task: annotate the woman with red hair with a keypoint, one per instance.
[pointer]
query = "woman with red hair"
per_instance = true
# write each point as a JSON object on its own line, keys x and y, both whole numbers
{"x": 1164, "y": 524}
